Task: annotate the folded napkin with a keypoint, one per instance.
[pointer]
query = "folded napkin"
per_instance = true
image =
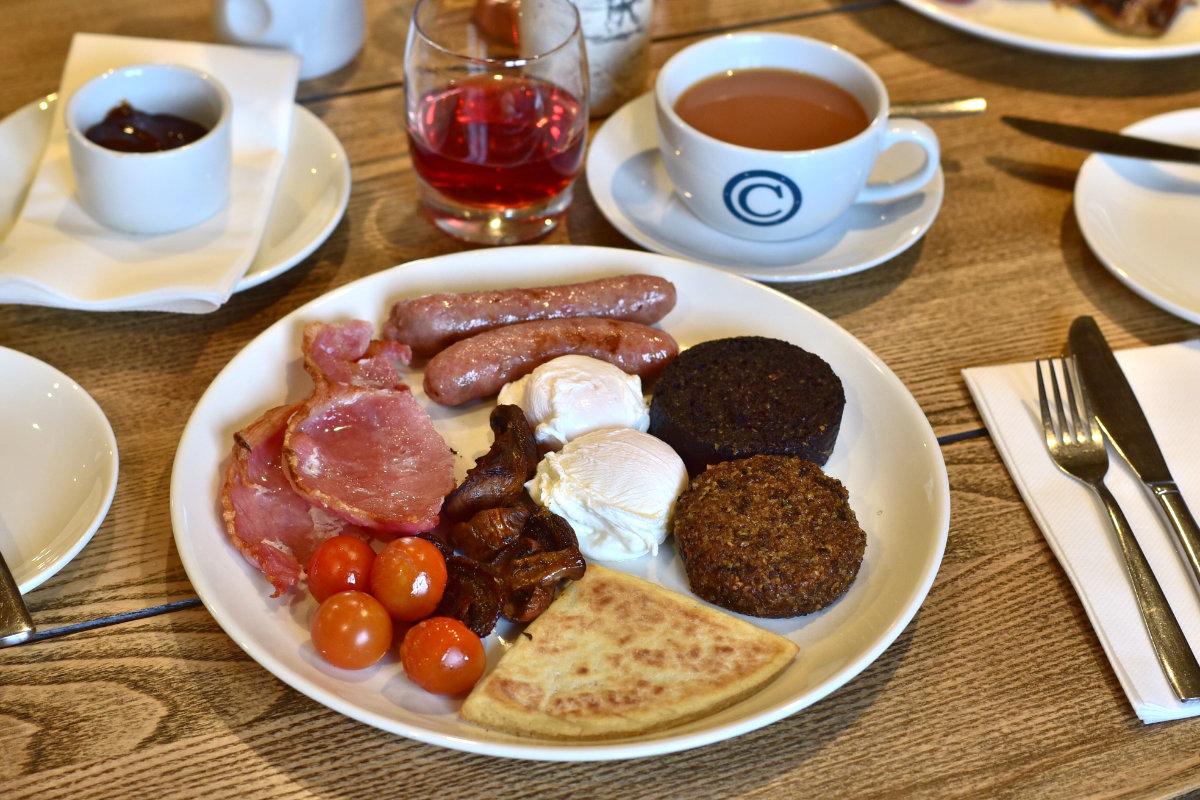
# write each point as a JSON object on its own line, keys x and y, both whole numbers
{"x": 57, "y": 255}
{"x": 1166, "y": 380}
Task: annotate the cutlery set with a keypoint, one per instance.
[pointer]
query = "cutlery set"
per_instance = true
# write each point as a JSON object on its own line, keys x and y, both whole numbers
{"x": 1100, "y": 406}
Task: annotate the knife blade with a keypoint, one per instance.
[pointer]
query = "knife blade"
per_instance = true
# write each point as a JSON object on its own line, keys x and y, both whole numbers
{"x": 1116, "y": 406}
{"x": 1117, "y": 144}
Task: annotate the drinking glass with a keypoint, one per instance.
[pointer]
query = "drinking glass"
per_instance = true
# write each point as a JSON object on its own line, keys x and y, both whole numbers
{"x": 496, "y": 99}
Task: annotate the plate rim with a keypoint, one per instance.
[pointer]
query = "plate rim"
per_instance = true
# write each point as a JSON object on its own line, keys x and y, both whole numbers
{"x": 1084, "y": 177}
{"x": 600, "y": 188}
{"x": 344, "y": 189}
{"x": 249, "y": 280}
{"x": 111, "y": 475}
{"x": 590, "y": 751}
{"x": 932, "y": 10}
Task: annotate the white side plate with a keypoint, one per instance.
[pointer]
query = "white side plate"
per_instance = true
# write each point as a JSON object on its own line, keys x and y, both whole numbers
{"x": 1140, "y": 217}
{"x": 58, "y": 468}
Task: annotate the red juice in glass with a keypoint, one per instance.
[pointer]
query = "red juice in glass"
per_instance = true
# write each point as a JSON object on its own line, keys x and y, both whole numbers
{"x": 496, "y": 113}
{"x": 498, "y": 144}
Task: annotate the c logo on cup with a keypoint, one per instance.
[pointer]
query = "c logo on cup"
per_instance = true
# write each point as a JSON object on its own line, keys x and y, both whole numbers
{"x": 762, "y": 197}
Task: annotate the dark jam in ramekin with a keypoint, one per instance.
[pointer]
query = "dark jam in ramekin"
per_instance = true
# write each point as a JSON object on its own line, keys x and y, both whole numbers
{"x": 129, "y": 130}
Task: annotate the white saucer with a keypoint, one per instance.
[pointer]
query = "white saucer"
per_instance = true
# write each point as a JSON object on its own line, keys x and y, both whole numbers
{"x": 1140, "y": 217}
{"x": 314, "y": 187}
{"x": 631, "y": 187}
{"x": 58, "y": 468}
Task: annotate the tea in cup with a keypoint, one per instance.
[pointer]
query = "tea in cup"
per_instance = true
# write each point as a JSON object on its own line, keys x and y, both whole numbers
{"x": 771, "y": 136}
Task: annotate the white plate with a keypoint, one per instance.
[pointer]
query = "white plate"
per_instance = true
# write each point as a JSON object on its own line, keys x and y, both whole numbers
{"x": 58, "y": 468}
{"x": 886, "y": 454}
{"x": 314, "y": 187}
{"x": 630, "y": 185}
{"x": 1140, "y": 217}
{"x": 1046, "y": 26}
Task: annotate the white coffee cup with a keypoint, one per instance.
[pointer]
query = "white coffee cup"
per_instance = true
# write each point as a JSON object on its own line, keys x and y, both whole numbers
{"x": 161, "y": 191}
{"x": 772, "y": 195}
{"x": 326, "y": 34}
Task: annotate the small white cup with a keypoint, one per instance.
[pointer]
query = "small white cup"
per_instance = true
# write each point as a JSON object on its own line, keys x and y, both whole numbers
{"x": 162, "y": 191}
{"x": 326, "y": 34}
{"x": 771, "y": 195}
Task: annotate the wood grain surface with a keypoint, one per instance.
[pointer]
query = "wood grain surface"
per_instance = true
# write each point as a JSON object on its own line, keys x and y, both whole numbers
{"x": 997, "y": 689}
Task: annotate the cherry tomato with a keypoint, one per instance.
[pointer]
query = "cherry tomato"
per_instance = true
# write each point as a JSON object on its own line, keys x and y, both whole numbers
{"x": 443, "y": 656}
{"x": 408, "y": 577}
{"x": 339, "y": 564}
{"x": 352, "y": 630}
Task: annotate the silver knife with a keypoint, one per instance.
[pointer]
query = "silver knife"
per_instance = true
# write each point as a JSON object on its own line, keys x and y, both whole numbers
{"x": 1117, "y": 144}
{"x": 1122, "y": 419}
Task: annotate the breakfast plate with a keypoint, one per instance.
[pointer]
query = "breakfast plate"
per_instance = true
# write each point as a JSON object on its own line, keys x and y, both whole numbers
{"x": 886, "y": 454}
{"x": 630, "y": 186}
{"x": 1139, "y": 217}
{"x": 58, "y": 468}
{"x": 314, "y": 186}
{"x": 1049, "y": 27}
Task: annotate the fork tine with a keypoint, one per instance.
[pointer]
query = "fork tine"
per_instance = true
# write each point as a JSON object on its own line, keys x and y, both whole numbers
{"x": 1083, "y": 431}
{"x": 1047, "y": 420}
{"x": 1093, "y": 426}
{"x": 1058, "y": 405}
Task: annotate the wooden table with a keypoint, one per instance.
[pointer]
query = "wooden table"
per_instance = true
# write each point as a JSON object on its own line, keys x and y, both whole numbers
{"x": 998, "y": 688}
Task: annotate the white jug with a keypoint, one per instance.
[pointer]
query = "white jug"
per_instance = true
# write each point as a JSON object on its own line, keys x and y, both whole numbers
{"x": 326, "y": 34}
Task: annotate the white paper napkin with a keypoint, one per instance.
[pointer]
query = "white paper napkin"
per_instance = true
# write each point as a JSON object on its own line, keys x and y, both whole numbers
{"x": 1166, "y": 380}
{"x": 57, "y": 255}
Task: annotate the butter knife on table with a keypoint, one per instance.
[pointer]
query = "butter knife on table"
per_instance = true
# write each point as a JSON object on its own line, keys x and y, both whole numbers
{"x": 1117, "y": 408}
{"x": 1116, "y": 144}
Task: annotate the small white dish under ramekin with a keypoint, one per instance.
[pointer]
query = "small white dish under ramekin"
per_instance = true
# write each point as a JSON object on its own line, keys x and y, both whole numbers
{"x": 314, "y": 188}
{"x": 629, "y": 183}
{"x": 1139, "y": 217}
{"x": 58, "y": 468}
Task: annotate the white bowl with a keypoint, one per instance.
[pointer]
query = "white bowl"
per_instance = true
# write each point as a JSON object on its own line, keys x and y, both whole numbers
{"x": 162, "y": 191}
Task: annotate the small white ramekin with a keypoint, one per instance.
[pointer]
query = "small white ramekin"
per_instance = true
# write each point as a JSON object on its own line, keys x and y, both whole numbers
{"x": 158, "y": 192}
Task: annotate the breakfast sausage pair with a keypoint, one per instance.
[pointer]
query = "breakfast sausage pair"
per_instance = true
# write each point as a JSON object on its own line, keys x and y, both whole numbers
{"x": 481, "y": 340}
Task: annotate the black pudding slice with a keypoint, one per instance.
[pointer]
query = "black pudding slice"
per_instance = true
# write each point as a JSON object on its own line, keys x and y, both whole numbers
{"x": 749, "y": 395}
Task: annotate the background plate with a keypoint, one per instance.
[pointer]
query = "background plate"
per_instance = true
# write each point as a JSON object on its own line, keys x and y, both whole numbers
{"x": 886, "y": 454}
{"x": 1046, "y": 26}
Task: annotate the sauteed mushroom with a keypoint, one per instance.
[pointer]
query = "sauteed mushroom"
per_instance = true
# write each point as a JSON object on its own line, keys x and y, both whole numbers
{"x": 499, "y": 475}
{"x": 515, "y": 554}
{"x": 489, "y": 531}
{"x": 472, "y": 595}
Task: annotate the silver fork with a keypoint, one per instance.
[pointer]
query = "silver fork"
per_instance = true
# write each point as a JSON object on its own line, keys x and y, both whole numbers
{"x": 1077, "y": 447}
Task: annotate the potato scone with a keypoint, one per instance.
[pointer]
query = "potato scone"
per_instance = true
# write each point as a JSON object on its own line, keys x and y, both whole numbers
{"x": 616, "y": 656}
{"x": 770, "y": 536}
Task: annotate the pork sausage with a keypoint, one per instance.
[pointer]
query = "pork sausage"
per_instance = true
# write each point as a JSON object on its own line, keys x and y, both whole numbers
{"x": 431, "y": 323}
{"x": 479, "y": 366}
